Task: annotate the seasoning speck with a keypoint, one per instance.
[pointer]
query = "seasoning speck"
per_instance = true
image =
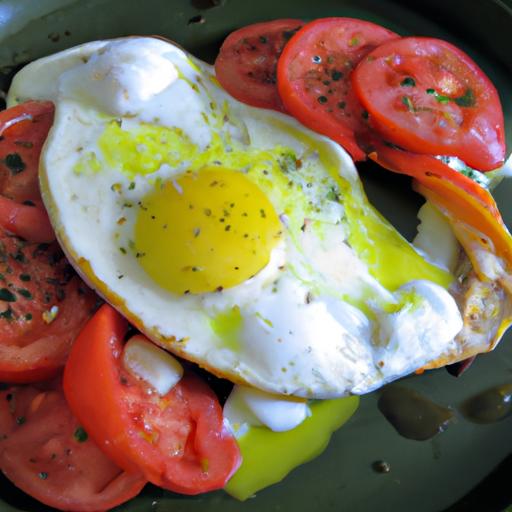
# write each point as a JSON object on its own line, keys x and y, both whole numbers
{"x": 381, "y": 466}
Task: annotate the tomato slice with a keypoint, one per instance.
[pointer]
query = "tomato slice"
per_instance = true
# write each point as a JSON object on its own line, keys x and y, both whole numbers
{"x": 177, "y": 440}
{"x": 429, "y": 97}
{"x": 23, "y": 131}
{"x": 43, "y": 306}
{"x": 470, "y": 208}
{"x": 247, "y": 62}
{"x": 45, "y": 452}
{"x": 28, "y": 221}
{"x": 313, "y": 76}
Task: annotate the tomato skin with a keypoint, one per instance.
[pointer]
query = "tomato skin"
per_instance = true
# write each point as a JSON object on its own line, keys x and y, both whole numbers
{"x": 247, "y": 62}
{"x": 167, "y": 438}
{"x": 313, "y": 76}
{"x": 41, "y": 454}
{"x": 24, "y": 129}
{"x": 427, "y": 96}
{"x": 35, "y": 278}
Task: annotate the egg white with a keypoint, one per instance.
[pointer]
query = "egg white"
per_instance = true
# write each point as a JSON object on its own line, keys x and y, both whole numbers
{"x": 316, "y": 321}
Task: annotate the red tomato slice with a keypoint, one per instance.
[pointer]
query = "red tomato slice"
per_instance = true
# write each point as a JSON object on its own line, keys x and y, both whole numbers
{"x": 313, "y": 76}
{"x": 28, "y": 221}
{"x": 45, "y": 452}
{"x": 247, "y": 62}
{"x": 178, "y": 440}
{"x": 34, "y": 338}
{"x": 429, "y": 97}
{"x": 23, "y": 130}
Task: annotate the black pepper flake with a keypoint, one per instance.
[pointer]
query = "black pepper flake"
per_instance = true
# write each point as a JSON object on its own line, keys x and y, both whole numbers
{"x": 263, "y": 215}
{"x": 342, "y": 105}
{"x": 80, "y": 435}
{"x": 25, "y": 277}
{"x": 6, "y": 295}
{"x": 20, "y": 420}
{"x": 15, "y": 163}
{"x": 364, "y": 114}
{"x": 28, "y": 317}
{"x": 219, "y": 288}
{"x": 227, "y": 228}
{"x": 263, "y": 40}
{"x": 28, "y": 202}
{"x": 322, "y": 99}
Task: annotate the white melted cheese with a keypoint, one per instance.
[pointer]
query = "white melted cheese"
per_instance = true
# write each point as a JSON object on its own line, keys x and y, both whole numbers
{"x": 249, "y": 407}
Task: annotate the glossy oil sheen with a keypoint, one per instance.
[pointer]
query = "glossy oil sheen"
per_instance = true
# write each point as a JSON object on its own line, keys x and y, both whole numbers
{"x": 434, "y": 475}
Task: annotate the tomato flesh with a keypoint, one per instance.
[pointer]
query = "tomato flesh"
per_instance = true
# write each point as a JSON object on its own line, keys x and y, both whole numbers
{"x": 427, "y": 96}
{"x": 23, "y": 131}
{"x": 177, "y": 440}
{"x": 43, "y": 306}
{"x": 314, "y": 76}
{"x": 247, "y": 62}
{"x": 45, "y": 452}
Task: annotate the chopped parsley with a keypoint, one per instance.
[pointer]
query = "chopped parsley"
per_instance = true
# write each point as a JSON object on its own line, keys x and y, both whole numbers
{"x": 80, "y": 435}
{"x": 408, "y": 81}
{"x": 15, "y": 163}
{"x": 6, "y": 295}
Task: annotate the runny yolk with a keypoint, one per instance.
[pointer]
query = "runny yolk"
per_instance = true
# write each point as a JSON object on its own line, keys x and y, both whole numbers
{"x": 202, "y": 232}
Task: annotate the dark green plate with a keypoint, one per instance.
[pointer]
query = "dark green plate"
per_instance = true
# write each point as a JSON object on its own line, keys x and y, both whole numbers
{"x": 463, "y": 469}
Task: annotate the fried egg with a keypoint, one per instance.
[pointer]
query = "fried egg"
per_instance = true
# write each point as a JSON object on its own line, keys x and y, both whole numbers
{"x": 229, "y": 235}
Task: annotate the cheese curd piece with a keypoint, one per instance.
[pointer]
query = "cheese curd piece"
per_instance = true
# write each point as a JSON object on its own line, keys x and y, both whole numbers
{"x": 249, "y": 407}
{"x": 152, "y": 364}
{"x": 231, "y": 236}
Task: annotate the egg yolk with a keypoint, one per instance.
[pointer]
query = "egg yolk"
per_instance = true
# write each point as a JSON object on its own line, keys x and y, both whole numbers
{"x": 205, "y": 231}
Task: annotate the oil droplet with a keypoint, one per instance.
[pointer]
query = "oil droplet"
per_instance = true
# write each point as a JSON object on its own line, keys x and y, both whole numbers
{"x": 490, "y": 406}
{"x": 412, "y": 415}
{"x": 381, "y": 466}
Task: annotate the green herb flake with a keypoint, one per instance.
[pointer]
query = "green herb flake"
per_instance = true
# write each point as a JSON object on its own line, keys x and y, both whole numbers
{"x": 14, "y": 162}
{"x": 408, "y": 81}
{"x": 7, "y": 314}
{"x": 28, "y": 317}
{"x": 336, "y": 75}
{"x": 131, "y": 186}
{"x": 6, "y": 295}
{"x": 43, "y": 475}
{"x": 408, "y": 103}
{"x": 466, "y": 100}
{"x": 333, "y": 195}
{"x": 80, "y": 435}
{"x": 354, "y": 41}
{"x": 24, "y": 277}
{"x": 25, "y": 293}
